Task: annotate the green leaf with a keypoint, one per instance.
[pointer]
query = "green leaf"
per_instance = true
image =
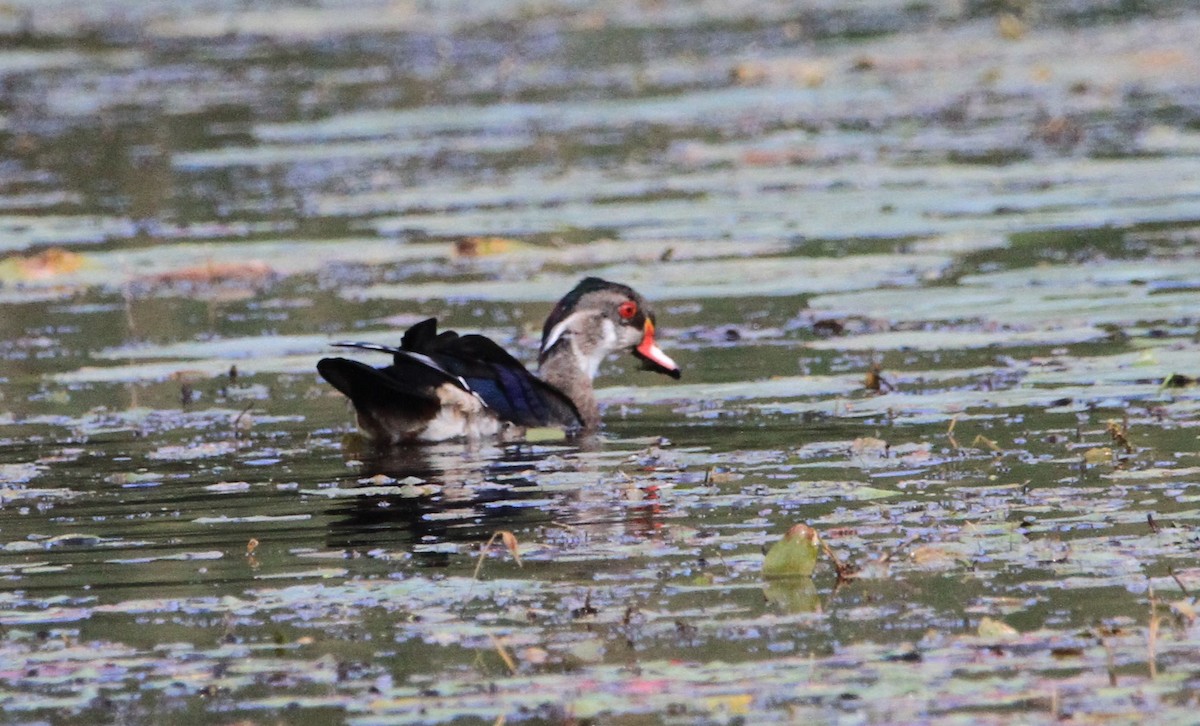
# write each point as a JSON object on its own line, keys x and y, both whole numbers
{"x": 795, "y": 555}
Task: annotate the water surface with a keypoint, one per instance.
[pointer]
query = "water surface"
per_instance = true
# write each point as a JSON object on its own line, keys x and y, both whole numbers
{"x": 998, "y": 208}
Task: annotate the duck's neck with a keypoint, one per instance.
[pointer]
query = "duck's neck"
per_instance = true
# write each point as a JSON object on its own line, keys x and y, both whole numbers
{"x": 569, "y": 371}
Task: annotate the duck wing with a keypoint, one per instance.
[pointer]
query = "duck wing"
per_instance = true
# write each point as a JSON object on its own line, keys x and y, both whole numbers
{"x": 427, "y": 359}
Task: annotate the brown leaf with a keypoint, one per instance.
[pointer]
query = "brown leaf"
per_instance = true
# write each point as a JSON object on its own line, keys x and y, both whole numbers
{"x": 1184, "y": 610}
{"x": 534, "y": 655}
{"x": 212, "y": 273}
{"x": 41, "y": 266}
{"x": 510, "y": 541}
{"x": 484, "y": 246}
{"x": 874, "y": 380}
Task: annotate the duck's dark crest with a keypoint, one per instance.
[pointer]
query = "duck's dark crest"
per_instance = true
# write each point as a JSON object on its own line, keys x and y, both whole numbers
{"x": 570, "y": 302}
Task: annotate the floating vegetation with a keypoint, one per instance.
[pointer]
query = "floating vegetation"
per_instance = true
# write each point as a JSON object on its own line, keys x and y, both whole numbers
{"x": 795, "y": 555}
{"x": 928, "y": 304}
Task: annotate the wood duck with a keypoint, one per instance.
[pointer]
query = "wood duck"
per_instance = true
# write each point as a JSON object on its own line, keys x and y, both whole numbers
{"x": 444, "y": 386}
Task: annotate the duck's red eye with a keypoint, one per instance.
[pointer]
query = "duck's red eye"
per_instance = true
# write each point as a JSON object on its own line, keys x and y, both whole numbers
{"x": 627, "y": 309}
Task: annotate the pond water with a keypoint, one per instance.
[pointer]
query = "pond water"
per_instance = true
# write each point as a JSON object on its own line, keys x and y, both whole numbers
{"x": 995, "y": 206}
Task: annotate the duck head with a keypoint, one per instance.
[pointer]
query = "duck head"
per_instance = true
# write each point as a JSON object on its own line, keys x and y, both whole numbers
{"x": 597, "y": 318}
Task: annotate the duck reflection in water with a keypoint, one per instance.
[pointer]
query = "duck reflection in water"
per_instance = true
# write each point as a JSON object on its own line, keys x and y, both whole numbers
{"x": 433, "y": 499}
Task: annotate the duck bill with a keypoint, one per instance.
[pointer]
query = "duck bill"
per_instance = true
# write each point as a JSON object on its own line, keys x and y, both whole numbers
{"x": 653, "y": 358}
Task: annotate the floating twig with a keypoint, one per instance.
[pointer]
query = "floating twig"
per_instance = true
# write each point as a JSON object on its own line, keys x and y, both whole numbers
{"x": 1182, "y": 587}
{"x": 1152, "y": 636}
{"x": 504, "y": 656}
{"x": 896, "y": 550}
{"x": 981, "y": 439}
{"x": 845, "y": 572}
{"x": 1110, "y": 661}
{"x": 510, "y": 543}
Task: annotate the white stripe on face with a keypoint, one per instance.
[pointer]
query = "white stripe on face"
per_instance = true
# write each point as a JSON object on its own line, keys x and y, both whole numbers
{"x": 557, "y": 331}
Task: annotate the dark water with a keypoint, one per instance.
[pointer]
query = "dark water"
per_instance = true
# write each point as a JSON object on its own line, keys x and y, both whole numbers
{"x": 997, "y": 205}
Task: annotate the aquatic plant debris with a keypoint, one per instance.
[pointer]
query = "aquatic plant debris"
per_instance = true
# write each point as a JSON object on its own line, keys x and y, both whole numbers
{"x": 795, "y": 555}
{"x": 929, "y": 305}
